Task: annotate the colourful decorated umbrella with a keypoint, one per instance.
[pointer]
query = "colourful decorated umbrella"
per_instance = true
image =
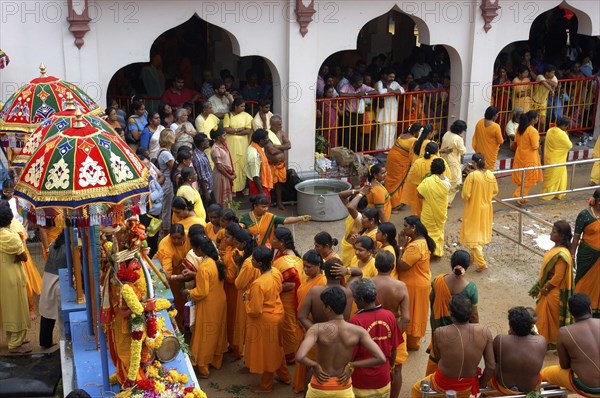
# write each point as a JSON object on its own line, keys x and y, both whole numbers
{"x": 83, "y": 165}
{"x": 55, "y": 125}
{"x": 44, "y": 96}
{"x": 4, "y": 60}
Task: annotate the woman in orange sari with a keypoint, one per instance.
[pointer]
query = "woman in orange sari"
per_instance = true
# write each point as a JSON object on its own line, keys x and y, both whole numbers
{"x": 586, "y": 243}
{"x": 227, "y": 217}
{"x": 209, "y": 333}
{"x": 413, "y": 106}
{"x": 172, "y": 250}
{"x": 398, "y": 163}
{"x": 324, "y": 246}
{"x": 522, "y": 91}
{"x": 287, "y": 260}
{"x": 231, "y": 292}
{"x": 413, "y": 269}
{"x": 378, "y": 196}
{"x": 555, "y": 285}
{"x": 386, "y": 239}
{"x": 261, "y": 223}
{"x": 245, "y": 244}
{"x": 213, "y": 228}
{"x": 526, "y": 155}
{"x": 312, "y": 262}
{"x": 183, "y": 213}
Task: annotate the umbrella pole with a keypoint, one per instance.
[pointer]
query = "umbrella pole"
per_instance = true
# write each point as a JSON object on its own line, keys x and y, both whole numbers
{"x": 88, "y": 291}
{"x": 67, "y": 232}
{"x": 93, "y": 245}
{"x": 93, "y": 281}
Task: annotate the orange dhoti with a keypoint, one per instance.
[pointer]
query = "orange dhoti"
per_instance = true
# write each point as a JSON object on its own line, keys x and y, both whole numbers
{"x": 331, "y": 388}
{"x": 279, "y": 172}
{"x": 501, "y": 390}
{"x": 567, "y": 379}
{"x": 464, "y": 387}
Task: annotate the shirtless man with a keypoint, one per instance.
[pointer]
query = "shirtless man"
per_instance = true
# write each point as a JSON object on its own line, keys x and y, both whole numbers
{"x": 313, "y": 305}
{"x": 517, "y": 373}
{"x": 460, "y": 347}
{"x": 393, "y": 296}
{"x": 275, "y": 151}
{"x": 336, "y": 340}
{"x": 578, "y": 349}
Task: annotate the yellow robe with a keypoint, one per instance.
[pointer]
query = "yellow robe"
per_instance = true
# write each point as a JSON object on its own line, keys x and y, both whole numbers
{"x": 394, "y": 272}
{"x": 419, "y": 169}
{"x": 595, "y": 176}
{"x": 238, "y": 144}
{"x": 487, "y": 141}
{"x": 456, "y": 143}
{"x": 170, "y": 257}
{"x": 352, "y": 226}
{"x": 556, "y": 150}
{"x": 368, "y": 269}
{"x": 34, "y": 279}
{"x": 209, "y": 334}
{"x": 398, "y": 164}
{"x": 479, "y": 189}
{"x": 192, "y": 195}
{"x": 435, "y": 210}
{"x": 14, "y": 309}
{"x": 263, "y": 349}
{"x": 291, "y": 269}
{"x": 418, "y": 282}
{"x": 246, "y": 276}
{"x": 527, "y": 155}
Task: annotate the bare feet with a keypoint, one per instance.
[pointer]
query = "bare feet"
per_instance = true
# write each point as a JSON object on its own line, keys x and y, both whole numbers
{"x": 244, "y": 370}
{"x": 481, "y": 269}
{"x": 23, "y": 349}
{"x": 280, "y": 206}
{"x": 258, "y": 390}
{"x": 32, "y": 316}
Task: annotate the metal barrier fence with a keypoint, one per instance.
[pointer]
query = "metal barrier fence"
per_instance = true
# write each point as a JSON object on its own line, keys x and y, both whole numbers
{"x": 576, "y": 99}
{"x": 523, "y": 212}
{"x": 371, "y": 123}
{"x": 153, "y": 103}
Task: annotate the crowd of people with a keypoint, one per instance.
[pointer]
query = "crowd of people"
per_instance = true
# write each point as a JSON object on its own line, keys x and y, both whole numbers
{"x": 260, "y": 299}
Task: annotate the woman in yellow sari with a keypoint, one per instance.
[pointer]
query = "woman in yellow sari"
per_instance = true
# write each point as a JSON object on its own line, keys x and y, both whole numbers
{"x": 231, "y": 273}
{"x": 312, "y": 263}
{"x": 526, "y": 155}
{"x": 555, "y": 285}
{"x": 419, "y": 169}
{"x": 386, "y": 240}
{"x": 184, "y": 214}
{"x": 434, "y": 193}
{"x": 586, "y": 243}
{"x": 556, "y": 150}
{"x": 397, "y": 165}
{"x": 522, "y": 91}
{"x": 187, "y": 191}
{"x": 238, "y": 126}
{"x": 172, "y": 250}
{"x": 413, "y": 269}
{"x": 261, "y": 223}
{"x": 355, "y": 201}
{"x": 287, "y": 260}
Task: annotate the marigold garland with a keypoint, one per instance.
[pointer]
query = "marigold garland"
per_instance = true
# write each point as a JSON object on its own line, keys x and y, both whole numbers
{"x": 133, "y": 303}
{"x": 134, "y": 360}
{"x": 162, "y": 304}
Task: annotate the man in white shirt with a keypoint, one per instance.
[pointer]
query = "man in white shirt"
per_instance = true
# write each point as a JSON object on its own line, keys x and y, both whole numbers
{"x": 513, "y": 124}
{"x": 221, "y": 101}
{"x": 421, "y": 69}
{"x": 387, "y": 115}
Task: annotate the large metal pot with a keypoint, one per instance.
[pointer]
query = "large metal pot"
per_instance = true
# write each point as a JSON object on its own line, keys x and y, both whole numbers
{"x": 319, "y": 199}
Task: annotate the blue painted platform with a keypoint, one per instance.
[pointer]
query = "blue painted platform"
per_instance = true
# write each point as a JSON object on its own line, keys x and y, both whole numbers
{"x": 81, "y": 358}
{"x": 68, "y": 300}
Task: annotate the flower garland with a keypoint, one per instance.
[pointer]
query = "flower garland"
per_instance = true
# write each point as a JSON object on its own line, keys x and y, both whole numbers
{"x": 131, "y": 300}
{"x": 136, "y": 322}
{"x": 162, "y": 304}
{"x": 162, "y": 383}
{"x": 157, "y": 341}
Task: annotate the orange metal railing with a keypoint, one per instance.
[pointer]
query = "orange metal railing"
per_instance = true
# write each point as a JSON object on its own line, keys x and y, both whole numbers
{"x": 576, "y": 99}
{"x": 371, "y": 123}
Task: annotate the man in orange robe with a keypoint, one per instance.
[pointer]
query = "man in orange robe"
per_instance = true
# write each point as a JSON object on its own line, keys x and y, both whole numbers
{"x": 488, "y": 137}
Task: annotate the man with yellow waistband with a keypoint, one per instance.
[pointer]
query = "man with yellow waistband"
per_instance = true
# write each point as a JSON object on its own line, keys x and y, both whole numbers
{"x": 460, "y": 347}
{"x": 335, "y": 341}
{"x": 517, "y": 373}
{"x": 275, "y": 151}
{"x": 578, "y": 349}
{"x": 392, "y": 294}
